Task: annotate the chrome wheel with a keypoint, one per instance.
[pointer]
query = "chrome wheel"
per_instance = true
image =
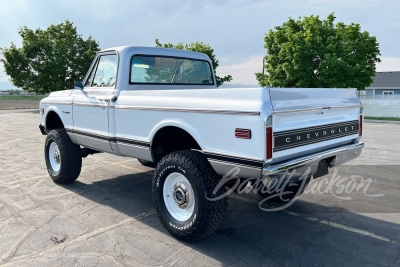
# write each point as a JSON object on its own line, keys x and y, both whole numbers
{"x": 178, "y": 196}
{"x": 54, "y": 157}
{"x": 63, "y": 158}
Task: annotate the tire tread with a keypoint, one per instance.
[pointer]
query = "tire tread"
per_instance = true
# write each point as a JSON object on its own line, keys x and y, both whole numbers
{"x": 212, "y": 212}
{"x": 71, "y": 157}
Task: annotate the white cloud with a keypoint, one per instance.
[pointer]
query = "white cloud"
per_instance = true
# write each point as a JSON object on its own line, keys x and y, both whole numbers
{"x": 234, "y": 28}
{"x": 243, "y": 72}
{"x": 3, "y": 76}
{"x": 389, "y": 64}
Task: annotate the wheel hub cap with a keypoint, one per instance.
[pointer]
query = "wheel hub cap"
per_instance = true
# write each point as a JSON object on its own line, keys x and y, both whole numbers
{"x": 181, "y": 195}
{"x": 56, "y": 156}
{"x": 178, "y": 196}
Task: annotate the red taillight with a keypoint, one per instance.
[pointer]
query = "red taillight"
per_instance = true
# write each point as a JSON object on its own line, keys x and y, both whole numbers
{"x": 269, "y": 143}
{"x": 361, "y": 125}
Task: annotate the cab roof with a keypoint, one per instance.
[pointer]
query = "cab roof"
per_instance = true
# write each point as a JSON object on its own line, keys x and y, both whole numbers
{"x": 157, "y": 51}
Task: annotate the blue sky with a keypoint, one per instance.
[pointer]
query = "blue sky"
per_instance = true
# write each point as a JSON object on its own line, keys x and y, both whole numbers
{"x": 235, "y": 29}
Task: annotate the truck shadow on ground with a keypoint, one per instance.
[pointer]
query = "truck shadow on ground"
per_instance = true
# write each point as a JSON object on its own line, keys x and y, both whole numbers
{"x": 250, "y": 236}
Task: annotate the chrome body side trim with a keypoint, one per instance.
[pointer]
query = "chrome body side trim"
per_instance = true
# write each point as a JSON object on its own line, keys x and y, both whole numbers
{"x": 316, "y": 109}
{"x": 243, "y": 167}
{"x": 55, "y": 103}
{"x": 234, "y": 169}
{"x": 193, "y": 110}
{"x": 91, "y": 105}
{"x": 110, "y": 139}
{"x": 242, "y": 161}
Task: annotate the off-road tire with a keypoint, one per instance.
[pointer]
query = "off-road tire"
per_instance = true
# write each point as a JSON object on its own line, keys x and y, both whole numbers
{"x": 71, "y": 157}
{"x": 207, "y": 215}
{"x": 147, "y": 163}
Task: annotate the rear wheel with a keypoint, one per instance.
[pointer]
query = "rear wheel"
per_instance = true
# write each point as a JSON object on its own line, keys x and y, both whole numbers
{"x": 181, "y": 183}
{"x": 63, "y": 158}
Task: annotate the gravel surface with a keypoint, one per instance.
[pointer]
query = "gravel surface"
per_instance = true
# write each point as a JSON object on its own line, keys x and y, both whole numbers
{"x": 18, "y": 104}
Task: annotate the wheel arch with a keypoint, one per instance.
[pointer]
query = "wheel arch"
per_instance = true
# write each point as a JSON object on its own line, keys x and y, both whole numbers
{"x": 53, "y": 119}
{"x": 168, "y": 137}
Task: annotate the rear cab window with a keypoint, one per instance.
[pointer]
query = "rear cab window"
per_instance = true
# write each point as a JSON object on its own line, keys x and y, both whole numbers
{"x": 146, "y": 69}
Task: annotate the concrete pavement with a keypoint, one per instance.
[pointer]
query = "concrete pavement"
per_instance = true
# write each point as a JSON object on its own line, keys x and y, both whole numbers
{"x": 107, "y": 218}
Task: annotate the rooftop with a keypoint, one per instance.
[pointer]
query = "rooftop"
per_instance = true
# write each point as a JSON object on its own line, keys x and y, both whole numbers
{"x": 156, "y": 51}
{"x": 386, "y": 79}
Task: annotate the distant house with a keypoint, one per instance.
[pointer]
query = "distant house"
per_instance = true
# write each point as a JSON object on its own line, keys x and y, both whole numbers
{"x": 386, "y": 85}
{"x": 5, "y": 92}
{"x": 26, "y": 93}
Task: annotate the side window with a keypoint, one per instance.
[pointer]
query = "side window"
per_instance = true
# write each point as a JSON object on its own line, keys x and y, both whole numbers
{"x": 91, "y": 76}
{"x": 387, "y": 94}
{"x": 106, "y": 72}
{"x": 193, "y": 72}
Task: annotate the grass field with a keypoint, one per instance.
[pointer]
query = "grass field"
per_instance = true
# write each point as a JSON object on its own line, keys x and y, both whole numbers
{"x": 22, "y": 97}
{"x": 20, "y": 101}
{"x": 382, "y": 118}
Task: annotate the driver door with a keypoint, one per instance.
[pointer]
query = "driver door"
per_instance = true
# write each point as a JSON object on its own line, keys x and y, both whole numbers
{"x": 91, "y": 108}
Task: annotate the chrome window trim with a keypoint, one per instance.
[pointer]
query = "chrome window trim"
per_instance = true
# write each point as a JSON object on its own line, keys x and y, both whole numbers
{"x": 94, "y": 65}
{"x": 177, "y": 57}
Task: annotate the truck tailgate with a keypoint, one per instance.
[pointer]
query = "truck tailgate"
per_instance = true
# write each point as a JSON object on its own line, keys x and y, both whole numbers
{"x": 310, "y": 120}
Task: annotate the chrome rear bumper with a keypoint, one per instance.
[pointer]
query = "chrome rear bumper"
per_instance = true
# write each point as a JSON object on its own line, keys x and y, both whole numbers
{"x": 337, "y": 155}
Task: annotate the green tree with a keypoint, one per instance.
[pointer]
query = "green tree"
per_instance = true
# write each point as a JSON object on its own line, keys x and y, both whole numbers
{"x": 49, "y": 60}
{"x": 201, "y": 48}
{"x": 312, "y": 53}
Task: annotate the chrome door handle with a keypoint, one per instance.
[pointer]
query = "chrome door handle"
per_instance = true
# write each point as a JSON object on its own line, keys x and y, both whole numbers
{"x": 112, "y": 100}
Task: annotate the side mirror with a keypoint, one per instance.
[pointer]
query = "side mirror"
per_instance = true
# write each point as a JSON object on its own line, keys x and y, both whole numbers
{"x": 79, "y": 85}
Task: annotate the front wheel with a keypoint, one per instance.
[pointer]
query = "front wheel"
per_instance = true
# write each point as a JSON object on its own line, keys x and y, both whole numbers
{"x": 182, "y": 183}
{"x": 63, "y": 158}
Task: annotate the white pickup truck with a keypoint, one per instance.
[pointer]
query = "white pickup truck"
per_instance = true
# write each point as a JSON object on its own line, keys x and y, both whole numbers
{"x": 162, "y": 106}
